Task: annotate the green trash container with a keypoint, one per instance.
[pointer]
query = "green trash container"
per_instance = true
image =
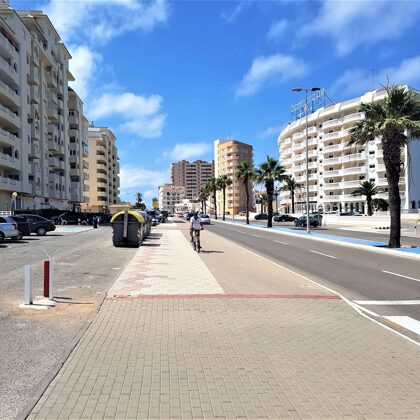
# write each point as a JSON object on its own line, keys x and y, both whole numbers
{"x": 127, "y": 229}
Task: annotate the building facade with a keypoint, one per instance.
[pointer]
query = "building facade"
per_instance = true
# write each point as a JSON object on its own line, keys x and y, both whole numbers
{"x": 336, "y": 169}
{"x": 170, "y": 196}
{"x": 228, "y": 155}
{"x": 103, "y": 170}
{"x": 192, "y": 176}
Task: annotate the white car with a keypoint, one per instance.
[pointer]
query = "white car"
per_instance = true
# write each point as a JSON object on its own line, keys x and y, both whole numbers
{"x": 8, "y": 228}
{"x": 205, "y": 218}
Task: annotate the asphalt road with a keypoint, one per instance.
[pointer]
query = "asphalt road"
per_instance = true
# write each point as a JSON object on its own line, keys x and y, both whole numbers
{"x": 357, "y": 274}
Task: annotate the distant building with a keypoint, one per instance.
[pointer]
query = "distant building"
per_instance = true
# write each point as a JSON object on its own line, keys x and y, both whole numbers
{"x": 192, "y": 176}
{"x": 228, "y": 155}
{"x": 170, "y": 196}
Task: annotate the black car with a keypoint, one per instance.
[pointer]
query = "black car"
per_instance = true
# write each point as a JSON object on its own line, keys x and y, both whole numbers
{"x": 284, "y": 218}
{"x": 261, "y": 216}
{"x": 23, "y": 226}
{"x": 313, "y": 221}
{"x": 38, "y": 224}
{"x": 69, "y": 218}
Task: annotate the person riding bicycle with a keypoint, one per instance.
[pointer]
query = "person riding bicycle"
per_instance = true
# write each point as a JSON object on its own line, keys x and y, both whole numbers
{"x": 196, "y": 224}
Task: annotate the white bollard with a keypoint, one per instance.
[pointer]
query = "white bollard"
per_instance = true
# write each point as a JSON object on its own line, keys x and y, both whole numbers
{"x": 28, "y": 285}
{"x": 50, "y": 292}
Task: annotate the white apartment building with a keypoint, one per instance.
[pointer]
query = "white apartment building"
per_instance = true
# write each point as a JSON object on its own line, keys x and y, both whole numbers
{"x": 336, "y": 169}
{"x": 78, "y": 144}
{"x": 169, "y": 196}
{"x": 34, "y": 141}
{"x": 103, "y": 170}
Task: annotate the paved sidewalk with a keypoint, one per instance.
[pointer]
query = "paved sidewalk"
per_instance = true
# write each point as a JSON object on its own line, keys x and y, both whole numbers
{"x": 285, "y": 348}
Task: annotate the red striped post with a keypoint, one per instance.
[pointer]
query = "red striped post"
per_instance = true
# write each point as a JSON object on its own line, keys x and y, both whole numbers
{"x": 46, "y": 278}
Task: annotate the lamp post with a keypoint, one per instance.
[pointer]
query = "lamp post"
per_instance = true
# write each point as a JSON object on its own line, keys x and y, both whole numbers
{"x": 276, "y": 194}
{"x": 233, "y": 190}
{"x": 299, "y": 89}
{"x": 14, "y": 195}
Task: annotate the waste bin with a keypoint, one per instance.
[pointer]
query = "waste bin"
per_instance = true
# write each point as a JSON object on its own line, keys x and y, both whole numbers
{"x": 127, "y": 228}
{"x": 147, "y": 221}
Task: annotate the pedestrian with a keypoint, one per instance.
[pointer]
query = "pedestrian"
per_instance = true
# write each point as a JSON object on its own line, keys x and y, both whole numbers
{"x": 95, "y": 222}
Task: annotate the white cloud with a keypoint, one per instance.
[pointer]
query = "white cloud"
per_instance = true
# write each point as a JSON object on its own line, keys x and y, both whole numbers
{"x": 272, "y": 131}
{"x": 357, "y": 81}
{"x": 231, "y": 16}
{"x": 142, "y": 114}
{"x": 356, "y": 23}
{"x": 189, "y": 150}
{"x": 83, "y": 65}
{"x": 272, "y": 69}
{"x": 134, "y": 177}
{"x": 277, "y": 29}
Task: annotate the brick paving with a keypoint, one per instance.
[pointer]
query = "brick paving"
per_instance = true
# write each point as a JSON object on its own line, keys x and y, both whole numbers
{"x": 188, "y": 355}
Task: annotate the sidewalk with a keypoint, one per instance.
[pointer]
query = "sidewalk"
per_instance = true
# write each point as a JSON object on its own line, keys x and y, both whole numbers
{"x": 227, "y": 334}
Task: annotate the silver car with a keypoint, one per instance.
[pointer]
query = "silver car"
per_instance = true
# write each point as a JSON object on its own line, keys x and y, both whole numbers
{"x": 8, "y": 228}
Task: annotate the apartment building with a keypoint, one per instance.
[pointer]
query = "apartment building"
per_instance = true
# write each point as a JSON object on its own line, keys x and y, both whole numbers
{"x": 78, "y": 144}
{"x": 103, "y": 170}
{"x": 170, "y": 196}
{"x": 192, "y": 176}
{"x": 34, "y": 143}
{"x": 228, "y": 155}
{"x": 335, "y": 169}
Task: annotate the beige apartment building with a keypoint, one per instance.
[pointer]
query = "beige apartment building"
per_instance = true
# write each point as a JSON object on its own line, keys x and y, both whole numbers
{"x": 170, "y": 196}
{"x": 34, "y": 111}
{"x": 337, "y": 169}
{"x": 79, "y": 151}
{"x": 192, "y": 176}
{"x": 228, "y": 155}
{"x": 103, "y": 170}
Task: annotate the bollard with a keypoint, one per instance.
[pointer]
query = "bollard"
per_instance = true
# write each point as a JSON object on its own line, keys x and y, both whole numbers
{"x": 46, "y": 278}
{"x": 28, "y": 285}
{"x": 50, "y": 292}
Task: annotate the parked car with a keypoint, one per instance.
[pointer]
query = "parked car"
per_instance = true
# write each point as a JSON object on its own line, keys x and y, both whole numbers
{"x": 313, "y": 221}
{"x": 23, "y": 226}
{"x": 242, "y": 213}
{"x": 38, "y": 224}
{"x": 8, "y": 228}
{"x": 284, "y": 218}
{"x": 155, "y": 221}
{"x": 261, "y": 216}
{"x": 205, "y": 218}
{"x": 69, "y": 217}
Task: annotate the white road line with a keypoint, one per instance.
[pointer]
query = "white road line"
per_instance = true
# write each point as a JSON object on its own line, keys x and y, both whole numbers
{"x": 387, "y": 302}
{"x": 320, "y": 253}
{"x": 280, "y": 242}
{"x": 400, "y": 275}
{"x": 406, "y": 322}
{"x": 257, "y": 236}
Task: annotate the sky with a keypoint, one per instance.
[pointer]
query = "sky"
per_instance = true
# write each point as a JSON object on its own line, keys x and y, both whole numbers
{"x": 171, "y": 77}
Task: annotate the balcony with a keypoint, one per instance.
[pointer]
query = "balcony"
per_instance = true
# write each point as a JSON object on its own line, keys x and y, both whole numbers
{"x": 332, "y": 148}
{"x": 333, "y": 160}
{"x": 9, "y": 116}
{"x": 298, "y": 146}
{"x": 33, "y": 76}
{"x": 351, "y": 118}
{"x": 8, "y": 138}
{"x": 8, "y": 183}
{"x": 286, "y": 142}
{"x": 380, "y": 168}
{"x": 330, "y": 136}
{"x": 297, "y": 136}
{"x": 52, "y": 80}
{"x": 355, "y": 170}
{"x": 52, "y": 113}
{"x": 74, "y": 172}
{"x": 329, "y": 198}
{"x": 353, "y": 157}
{"x": 332, "y": 186}
{"x": 101, "y": 167}
{"x": 35, "y": 152}
{"x": 7, "y": 161}
{"x": 7, "y": 46}
{"x": 352, "y": 184}
{"x": 53, "y": 145}
{"x": 332, "y": 123}
{"x": 332, "y": 174}
{"x": 8, "y": 93}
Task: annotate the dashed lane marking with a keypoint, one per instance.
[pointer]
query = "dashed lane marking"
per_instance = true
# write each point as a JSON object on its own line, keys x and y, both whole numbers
{"x": 257, "y": 236}
{"x": 320, "y": 253}
{"x": 406, "y": 322}
{"x": 400, "y": 275}
{"x": 280, "y": 242}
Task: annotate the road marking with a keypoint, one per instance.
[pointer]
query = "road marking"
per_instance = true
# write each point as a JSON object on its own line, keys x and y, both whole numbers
{"x": 257, "y": 236}
{"x": 280, "y": 242}
{"x": 406, "y": 322}
{"x": 320, "y": 253}
{"x": 400, "y": 275}
{"x": 387, "y": 302}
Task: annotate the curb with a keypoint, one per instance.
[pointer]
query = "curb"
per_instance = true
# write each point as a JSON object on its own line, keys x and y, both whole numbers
{"x": 337, "y": 242}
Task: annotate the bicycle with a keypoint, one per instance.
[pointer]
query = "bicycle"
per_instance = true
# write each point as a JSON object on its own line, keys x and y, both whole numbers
{"x": 196, "y": 240}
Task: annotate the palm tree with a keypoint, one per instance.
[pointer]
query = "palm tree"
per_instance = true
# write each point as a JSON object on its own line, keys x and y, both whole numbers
{"x": 212, "y": 187}
{"x": 267, "y": 173}
{"x": 396, "y": 119}
{"x": 380, "y": 204}
{"x": 245, "y": 172}
{"x": 203, "y": 195}
{"x": 368, "y": 189}
{"x": 289, "y": 184}
{"x": 223, "y": 181}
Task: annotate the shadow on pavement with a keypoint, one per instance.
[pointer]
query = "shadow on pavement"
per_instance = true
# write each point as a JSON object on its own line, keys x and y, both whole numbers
{"x": 211, "y": 252}
{"x": 146, "y": 244}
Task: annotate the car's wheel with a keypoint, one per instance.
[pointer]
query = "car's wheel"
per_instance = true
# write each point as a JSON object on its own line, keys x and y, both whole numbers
{"x": 41, "y": 231}
{"x": 1, "y": 237}
{"x": 19, "y": 237}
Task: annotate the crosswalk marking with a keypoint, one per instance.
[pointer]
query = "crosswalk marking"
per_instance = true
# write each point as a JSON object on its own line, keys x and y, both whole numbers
{"x": 387, "y": 302}
{"x": 406, "y": 322}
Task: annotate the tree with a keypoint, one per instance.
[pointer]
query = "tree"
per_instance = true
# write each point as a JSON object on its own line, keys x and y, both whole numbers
{"x": 396, "y": 119}
{"x": 203, "y": 195}
{"x": 213, "y": 187}
{"x": 368, "y": 189}
{"x": 245, "y": 172}
{"x": 268, "y": 172}
{"x": 139, "y": 202}
{"x": 380, "y": 204}
{"x": 289, "y": 184}
{"x": 223, "y": 181}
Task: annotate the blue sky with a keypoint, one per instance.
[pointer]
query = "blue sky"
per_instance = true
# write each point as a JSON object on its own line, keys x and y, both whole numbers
{"x": 171, "y": 77}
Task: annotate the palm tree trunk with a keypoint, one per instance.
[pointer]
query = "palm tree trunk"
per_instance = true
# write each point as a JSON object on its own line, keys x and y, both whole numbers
{"x": 215, "y": 204}
{"x": 224, "y": 203}
{"x": 369, "y": 205}
{"x": 392, "y": 158}
{"x": 247, "y": 199}
{"x": 270, "y": 191}
{"x": 292, "y": 192}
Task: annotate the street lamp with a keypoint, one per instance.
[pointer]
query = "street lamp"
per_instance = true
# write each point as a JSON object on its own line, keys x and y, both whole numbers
{"x": 299, "y": 89}
{"x": 14, "y": 195}
{"x": 276, "y": 194}
{"x": 233, "y": 190}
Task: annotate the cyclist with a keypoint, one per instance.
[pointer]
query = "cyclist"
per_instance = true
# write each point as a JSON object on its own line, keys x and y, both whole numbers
{"x": 196, "y": 224}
